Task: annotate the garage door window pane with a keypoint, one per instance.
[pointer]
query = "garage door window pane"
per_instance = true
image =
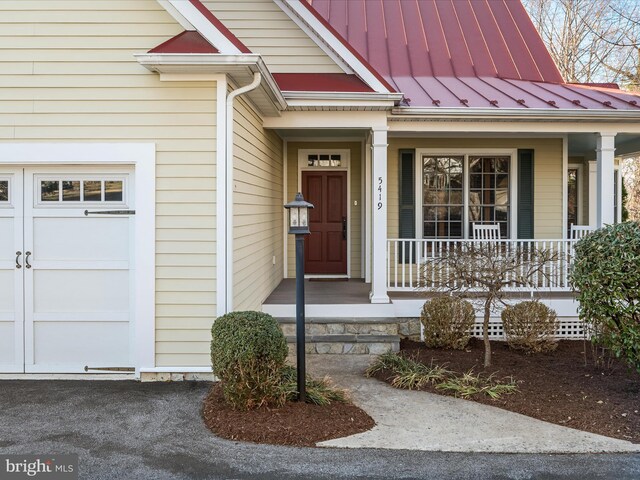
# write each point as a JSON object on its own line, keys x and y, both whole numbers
{"x": 4, "y": 190}
{"x": 113, "y": 191}
{"x": 92, "y": 191}
{"x": 50, "y": 190}
{"x": 71, "y": 191}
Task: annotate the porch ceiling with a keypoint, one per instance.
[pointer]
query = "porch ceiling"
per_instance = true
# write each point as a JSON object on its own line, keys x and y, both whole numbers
{"x": 584, "y": 144}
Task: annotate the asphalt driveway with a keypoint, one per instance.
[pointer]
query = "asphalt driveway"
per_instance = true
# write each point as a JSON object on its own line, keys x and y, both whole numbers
{"x": 134, "y": 430}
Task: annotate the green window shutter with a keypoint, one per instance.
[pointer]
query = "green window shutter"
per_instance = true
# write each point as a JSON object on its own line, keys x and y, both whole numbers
{"x": 525, "y": 193}
{"x": 407, "y": 217}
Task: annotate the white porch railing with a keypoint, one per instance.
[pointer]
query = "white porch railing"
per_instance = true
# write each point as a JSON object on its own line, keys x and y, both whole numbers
{"x": 406, "y": 259}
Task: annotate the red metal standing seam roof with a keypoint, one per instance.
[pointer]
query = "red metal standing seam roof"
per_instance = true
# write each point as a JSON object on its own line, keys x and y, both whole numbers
{"x": 188, "y": 41}
{"x": 461, "y": 53}
{"x": 320, "y": 82}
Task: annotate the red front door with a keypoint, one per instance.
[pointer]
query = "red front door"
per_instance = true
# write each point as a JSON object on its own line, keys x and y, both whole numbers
{"x": 325, "y": 250}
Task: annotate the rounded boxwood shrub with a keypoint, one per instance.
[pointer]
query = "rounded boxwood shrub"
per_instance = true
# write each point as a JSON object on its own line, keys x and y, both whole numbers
{"x": 447, "y": 322}
{"x": 606, "y": 276}
{"x": 530, "y": 326}
{"x": 248, "y": 351}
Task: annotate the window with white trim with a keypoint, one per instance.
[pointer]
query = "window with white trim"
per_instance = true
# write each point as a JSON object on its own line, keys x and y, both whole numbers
{"x": 324, "y": 160}
{"x": 460, "y": 190}
{"x": 81, "y": 190}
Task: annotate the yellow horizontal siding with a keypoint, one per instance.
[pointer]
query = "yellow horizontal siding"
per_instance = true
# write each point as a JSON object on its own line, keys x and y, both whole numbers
{"x": 258, "y": 207}
{"x": 547, "y": 176}
{"x": 67, "y": 73}
{"x": 265, "y": 29}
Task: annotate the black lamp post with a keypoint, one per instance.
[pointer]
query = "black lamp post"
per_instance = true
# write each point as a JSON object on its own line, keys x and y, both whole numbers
{"x": 299, "y": 226}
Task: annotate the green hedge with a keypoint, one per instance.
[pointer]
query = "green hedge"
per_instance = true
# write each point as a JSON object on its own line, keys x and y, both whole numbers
{"x": 606, "y": 276}
{"x": 248, "y": 351}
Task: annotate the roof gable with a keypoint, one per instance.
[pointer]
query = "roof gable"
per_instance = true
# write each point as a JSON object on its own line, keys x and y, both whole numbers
{"x": 270, "y": 32}
{"x": 188, "y": 41}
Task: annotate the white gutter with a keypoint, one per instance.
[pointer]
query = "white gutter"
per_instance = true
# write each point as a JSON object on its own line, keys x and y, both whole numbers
{"x": 527, "y": 114}
{"x": 218, "y": 63}
{"x": 357, "y": 96}
{"x": 228, "y": 193}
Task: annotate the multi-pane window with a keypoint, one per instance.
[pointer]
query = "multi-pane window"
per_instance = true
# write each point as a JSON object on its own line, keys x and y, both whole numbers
{"x": 324, "y": 160}
{"x": 465, "y": 189}
{"x": 81, "y": 190}
{"x": 443, "y": 202}
{"x": 572, "y": 198}
{"x": 489, "y": 192}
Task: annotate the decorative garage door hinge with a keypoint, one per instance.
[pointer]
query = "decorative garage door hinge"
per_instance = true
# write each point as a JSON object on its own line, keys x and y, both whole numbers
{"x": 110, "y": 212}
{"x": 110, "y": 369}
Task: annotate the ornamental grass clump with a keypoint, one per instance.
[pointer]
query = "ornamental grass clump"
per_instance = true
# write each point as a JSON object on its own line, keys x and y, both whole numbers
{"x": 606, "y": 277}
{"x": 530, "y": 326}
{"x": 248, "y": 351}
{"x": 447, "y": 322}
{"x": 410, "y": 374}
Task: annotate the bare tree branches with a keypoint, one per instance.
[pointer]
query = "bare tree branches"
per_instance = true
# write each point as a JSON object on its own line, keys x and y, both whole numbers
{"x": 591, "y": 41}
{"x": 487, "y": 268}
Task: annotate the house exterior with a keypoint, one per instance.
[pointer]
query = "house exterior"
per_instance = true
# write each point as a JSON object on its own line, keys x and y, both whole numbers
{"x": 147, "y": 149}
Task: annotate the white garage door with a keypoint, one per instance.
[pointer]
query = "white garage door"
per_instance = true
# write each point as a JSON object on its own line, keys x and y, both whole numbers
{"x": 66, "y": 277}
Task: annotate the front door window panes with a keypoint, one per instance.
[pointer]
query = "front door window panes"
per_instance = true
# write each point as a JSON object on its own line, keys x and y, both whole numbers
{"x": 443, "y": 197}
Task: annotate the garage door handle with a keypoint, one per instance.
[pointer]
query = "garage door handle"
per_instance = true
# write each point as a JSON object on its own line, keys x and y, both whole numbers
{"x": 18, "y": 259}
{"x": 110, "y": 212}
{"x": 26, "y": 260}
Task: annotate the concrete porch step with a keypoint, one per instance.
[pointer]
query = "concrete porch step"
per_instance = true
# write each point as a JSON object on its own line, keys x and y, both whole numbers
{"x": 345, "y": 336}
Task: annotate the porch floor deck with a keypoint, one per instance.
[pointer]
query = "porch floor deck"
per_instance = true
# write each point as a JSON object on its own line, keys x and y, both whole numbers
{"x": 322, "y": 292}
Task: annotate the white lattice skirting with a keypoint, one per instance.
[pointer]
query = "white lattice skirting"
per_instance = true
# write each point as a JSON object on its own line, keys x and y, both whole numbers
{"x": 569, "y": 328}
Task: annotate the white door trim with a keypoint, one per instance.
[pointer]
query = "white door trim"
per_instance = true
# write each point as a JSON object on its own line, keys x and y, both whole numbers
{"x": 143, "y": 157}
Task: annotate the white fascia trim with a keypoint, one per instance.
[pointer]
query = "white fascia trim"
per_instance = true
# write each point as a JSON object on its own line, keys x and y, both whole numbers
{"x": 364, "y": 99}
{"x": 143, "y": 157}
{"x": 171, "y": 10}
{"x": 325, "y": 38}
{"x": 191, "y": 15}
{"x": 529, "y": 114}
{"x": 156, "y": 61}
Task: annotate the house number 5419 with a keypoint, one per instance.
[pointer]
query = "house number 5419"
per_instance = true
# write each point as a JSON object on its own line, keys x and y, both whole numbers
{"x": 379, "y": 193}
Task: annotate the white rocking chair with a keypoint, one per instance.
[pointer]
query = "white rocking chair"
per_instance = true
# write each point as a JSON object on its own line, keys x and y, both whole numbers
{"x": 580, "y": 231}
{"x": 486, "y": 232}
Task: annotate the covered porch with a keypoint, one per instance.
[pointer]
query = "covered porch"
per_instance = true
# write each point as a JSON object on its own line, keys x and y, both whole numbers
{"x": 552, "y": 175}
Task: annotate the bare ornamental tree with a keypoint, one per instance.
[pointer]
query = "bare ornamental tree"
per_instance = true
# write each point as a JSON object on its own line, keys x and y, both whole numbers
{"x": 484, "y": 272}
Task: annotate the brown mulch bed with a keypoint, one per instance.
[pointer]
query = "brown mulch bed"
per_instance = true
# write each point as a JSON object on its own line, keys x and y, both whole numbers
{"x": 296, "y": 424}
{"x": 556, "y": 387}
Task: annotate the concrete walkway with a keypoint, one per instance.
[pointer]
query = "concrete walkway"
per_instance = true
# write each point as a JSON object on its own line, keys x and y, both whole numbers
{"x": 410, "y": 420}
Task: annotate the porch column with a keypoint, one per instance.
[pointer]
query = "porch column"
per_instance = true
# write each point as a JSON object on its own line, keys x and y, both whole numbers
{"x": 593, "y": 193}
{"x": 605, "y": 152}
{"x": 379, "y": 214}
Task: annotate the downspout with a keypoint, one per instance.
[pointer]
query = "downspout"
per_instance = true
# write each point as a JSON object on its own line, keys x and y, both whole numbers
{"x": 257, "y": 78}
